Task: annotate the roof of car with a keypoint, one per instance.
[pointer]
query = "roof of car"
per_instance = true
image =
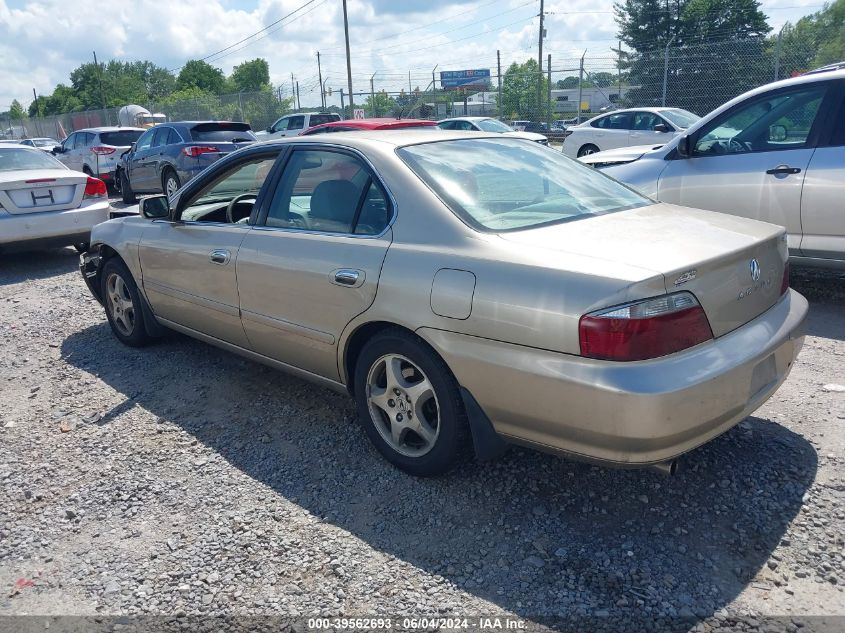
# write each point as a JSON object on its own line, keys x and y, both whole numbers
{"x": 466, "y": 118}
{"x": 375, "y": 123}
{"x": 395, "y": 138}
{"x": 201, "y": 122}
{"x": 110, "y": 128}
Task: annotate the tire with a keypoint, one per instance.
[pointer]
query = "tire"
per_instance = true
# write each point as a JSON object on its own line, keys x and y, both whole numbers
{"x": 432, "y": 396}
{"x": 87, "y": 172}
{"x": 123, "y": 304}
{"x": 81, "y": 247}
{"x": 586, "y": 150}
{"x": 170, "y": 182}
{"x": 126, "y": 193}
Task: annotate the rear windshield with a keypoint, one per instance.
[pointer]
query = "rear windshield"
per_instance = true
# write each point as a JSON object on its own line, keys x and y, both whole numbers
{"x": 124, "y": 138}
{"x": 14, "y": 158}
{"x": 507, "y": 184}
{"x": 223, "y": 133}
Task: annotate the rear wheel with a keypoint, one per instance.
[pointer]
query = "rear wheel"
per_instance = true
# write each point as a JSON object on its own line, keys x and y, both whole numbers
{"x": 123, "y": 304}
{"x": 126, "y": 193}
{"x": 587, "y": 149}
{"x": 170, "y": 182}
{"x": 410, "y": 405}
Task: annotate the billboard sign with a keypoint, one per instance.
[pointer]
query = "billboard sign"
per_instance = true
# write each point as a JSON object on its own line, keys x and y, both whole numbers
{"x": 456, "y": 79}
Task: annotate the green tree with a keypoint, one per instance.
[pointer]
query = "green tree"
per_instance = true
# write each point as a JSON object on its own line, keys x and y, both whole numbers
{"x": 567, "y": 83}
{"x": 382, "y": 105}
{"x": 519, "y": 92}
{"x": 199, "y": 74}
{"x": 251, "y": 76}
{"x": 602, "y": 79}
{"x": 16, "y": 112}
{"x": 813, "y": 41}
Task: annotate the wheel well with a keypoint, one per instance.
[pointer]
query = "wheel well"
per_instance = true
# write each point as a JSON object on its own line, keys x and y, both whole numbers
{"x": 356, "y": 343}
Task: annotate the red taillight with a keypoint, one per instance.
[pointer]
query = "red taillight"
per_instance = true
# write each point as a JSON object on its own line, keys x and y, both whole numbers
{"x": 101, "y": 149}
{"x": 195, "y": 150}
{"x": 784, "y": 284}
{"x": 645, "y": 329}
{"x": 95, "y": 188}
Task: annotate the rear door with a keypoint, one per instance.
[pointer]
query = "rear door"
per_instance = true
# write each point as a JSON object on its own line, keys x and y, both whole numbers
{"x": 140, "y": 175}
{"x": 751, "y": 160}
{"x": 312, "y": 263}
{"x": 188, "y": 265}
{"x": 611, "y": 131}
{"x": 822, "y": 207}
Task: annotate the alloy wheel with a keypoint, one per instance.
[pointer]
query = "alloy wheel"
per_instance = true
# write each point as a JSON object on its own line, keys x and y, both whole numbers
{"x": 120, "y": 304}
{"x": 403, "y": 405}
{"x": 170, "y": 186}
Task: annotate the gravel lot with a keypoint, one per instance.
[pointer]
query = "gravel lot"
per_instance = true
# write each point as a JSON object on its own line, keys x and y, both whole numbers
{"x": 183, "y": 480}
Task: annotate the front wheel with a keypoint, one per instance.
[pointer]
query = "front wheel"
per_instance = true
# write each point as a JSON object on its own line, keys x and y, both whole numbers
{"x": 170, "y": 183}
{"x": 410, "y": 405}
{"x": 123, "y": 304}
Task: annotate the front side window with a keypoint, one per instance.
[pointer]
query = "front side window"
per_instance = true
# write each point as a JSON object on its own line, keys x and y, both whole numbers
{"x": 503, "y": 184}
{"x": 645, "y": 121}
{"x": 70, "y": 141}
{"x": 296, "y": 123}
{"x": 145, "y": 140}
{"x": 329, "y": 192}
{"x": 779, "y": 121}
{"x": 229, "y": 198}
{"x": 160, "y": 137}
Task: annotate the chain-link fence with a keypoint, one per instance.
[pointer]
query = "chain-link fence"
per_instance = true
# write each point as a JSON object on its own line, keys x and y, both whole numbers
{"x": 696, "y": 77}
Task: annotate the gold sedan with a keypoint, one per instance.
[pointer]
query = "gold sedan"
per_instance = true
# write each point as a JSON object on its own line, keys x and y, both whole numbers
{"x": 469, "y": 291}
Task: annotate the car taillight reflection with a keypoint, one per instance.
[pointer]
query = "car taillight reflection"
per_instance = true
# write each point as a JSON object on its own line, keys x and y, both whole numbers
{"x": 197, "y": 150}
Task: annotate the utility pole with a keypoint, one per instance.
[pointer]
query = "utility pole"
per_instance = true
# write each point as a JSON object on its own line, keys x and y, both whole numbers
{"x": 320, "y": 77}
{"x": 549, "y": 88}
{"x": 298, "y": 102}
{"x": 499, "y": 70}
{"x": 619, "y": 70}
{"x": 666, "y": 69}
{"x": 293, "y": 90}
{"x": 434, "y": 91}
{"x": 100, "y": 81}
{"x": 777, "y": 54}
{"x": 410, "y": 90}
{"x": 348, "y": 60}
{"x": 373, "y": 95}
{"x": 342, "y": 106}
{"x": 580, "y": 84}
{"x": 540, "y": 58}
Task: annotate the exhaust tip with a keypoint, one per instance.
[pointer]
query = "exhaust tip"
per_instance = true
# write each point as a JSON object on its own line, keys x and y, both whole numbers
{"x": 669, "y": 468}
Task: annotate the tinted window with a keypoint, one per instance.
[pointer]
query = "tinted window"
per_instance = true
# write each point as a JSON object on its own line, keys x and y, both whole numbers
{"x": 173, "y": 137}
{"x": 645, "y": 121}
{"x": 329, "y": 192}
{"x": 222, "y": 133}
{"x": 446, "y": 125}
{"x": 295, "y": 123}
{"x": 506, "y": 184}
{"x": 160, "y": 137}
{"x": 124, "y": 138}
{"x": 782, "y": 120}
{"x": 86, "y": 139}
{"x": 12, "y": 158}
{"x": 70, "y": 141}
{"x": 838, "y": 137}
{"x": 620, "y": 121}
{"x": 319, "y": 119}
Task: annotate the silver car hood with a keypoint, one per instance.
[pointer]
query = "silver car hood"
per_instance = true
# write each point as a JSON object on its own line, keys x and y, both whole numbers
{"x": 620, "y": 155}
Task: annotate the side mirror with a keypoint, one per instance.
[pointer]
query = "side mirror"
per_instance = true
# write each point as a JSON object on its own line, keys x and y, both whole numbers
{"x": 132, "y": 148}
{"x": 270, "y": 129}
{"x": 684, "y": 147}
{"x": 661, "y": 127}
{"x": 777, "y": 133}
{"x": 57, "y": 149}
{"x": 155, "y": 207}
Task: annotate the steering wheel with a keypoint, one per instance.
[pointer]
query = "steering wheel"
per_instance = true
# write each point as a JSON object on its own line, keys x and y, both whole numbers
{"x": 231, "y": 208}
{"x": 738, "y": 146}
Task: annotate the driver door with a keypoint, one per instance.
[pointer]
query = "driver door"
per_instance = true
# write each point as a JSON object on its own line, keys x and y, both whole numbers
{"x": 188, "y": 263}
{"x": 751, "y": 161}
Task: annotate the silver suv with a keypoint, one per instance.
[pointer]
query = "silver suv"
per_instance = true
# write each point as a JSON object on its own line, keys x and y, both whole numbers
{"x": 294, "y": 124}
{"x": 96, "y": 151}
{"x": 776, "y": 153}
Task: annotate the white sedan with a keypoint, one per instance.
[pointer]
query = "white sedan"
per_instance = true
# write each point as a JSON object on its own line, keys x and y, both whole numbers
{"x": 488, "y": 124}
{"x": 44, "y": 204}
{"x": 623, "y": 128}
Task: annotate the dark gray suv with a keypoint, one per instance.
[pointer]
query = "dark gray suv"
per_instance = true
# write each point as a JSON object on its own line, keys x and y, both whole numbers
{"x": 170, "y": 154}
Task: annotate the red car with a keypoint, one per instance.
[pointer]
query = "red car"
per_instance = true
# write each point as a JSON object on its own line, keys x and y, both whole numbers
{"x": 351, "y": 125}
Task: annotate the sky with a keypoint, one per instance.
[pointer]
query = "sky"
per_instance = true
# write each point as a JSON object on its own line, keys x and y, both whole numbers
{"x": 42, "y": 41}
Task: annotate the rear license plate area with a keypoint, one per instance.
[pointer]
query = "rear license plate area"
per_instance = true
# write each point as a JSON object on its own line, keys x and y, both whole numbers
{"x": 764, "y": 375}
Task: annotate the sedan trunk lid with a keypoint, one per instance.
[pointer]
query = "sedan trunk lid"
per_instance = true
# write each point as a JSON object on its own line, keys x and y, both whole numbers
{"x": 39, "y": 190}
{"x": 734, "y": 266}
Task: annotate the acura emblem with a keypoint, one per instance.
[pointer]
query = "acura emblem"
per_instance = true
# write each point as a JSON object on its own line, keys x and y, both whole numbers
{"x": 755, "y": 270}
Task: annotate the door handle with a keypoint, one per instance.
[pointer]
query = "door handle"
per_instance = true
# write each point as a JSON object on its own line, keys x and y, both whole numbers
{"x": 783, "y": 169}
{"x": 347, "y": 277}
{"x": 219, "y": 257}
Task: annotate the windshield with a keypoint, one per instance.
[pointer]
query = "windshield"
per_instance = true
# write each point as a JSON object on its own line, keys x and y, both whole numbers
{"x": 492, "y": 125}
{"x": 680, "y": 118}
{"x": 15, "y": 158}
{"x": 507, "y": 184}
{"x": 124, "y": 138}
{"x": 222, "y": 133}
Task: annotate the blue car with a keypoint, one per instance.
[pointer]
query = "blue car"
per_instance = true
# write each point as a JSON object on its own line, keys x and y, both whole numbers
{"x": 168, "y": 155}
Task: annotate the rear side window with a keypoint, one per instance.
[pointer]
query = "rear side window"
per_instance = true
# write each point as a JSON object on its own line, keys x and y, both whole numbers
{"x": 160, "y": 137}
{"x": 838, "y": 137}
{"x": 222, "y": 133}
{"x": 621, "y": 121}
{"x": 173, "y": 137}
{"x": 329, "y": 192}
{"x": 123, "y": 138}
{"x": 319, "y": 119}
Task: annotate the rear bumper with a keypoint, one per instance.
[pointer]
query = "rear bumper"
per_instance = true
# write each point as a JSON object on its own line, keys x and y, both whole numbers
{"x": 627, "y": 414}
{"x": 51, "y": 227}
